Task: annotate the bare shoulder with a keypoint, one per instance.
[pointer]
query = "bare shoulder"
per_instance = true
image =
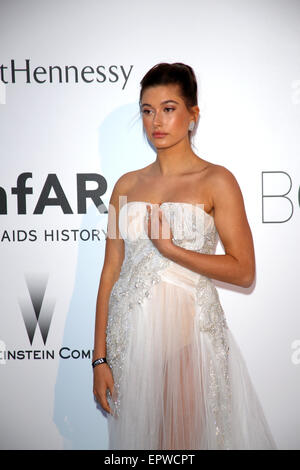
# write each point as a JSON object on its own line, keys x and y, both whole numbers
{"x": 223, "y": 182}
{"x": 229, "y": 207}
{"x": 219, "y": 174}
{"x": 126, "y": 182}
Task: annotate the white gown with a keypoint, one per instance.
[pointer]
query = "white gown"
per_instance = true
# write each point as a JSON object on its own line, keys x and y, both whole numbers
{"x": 180, "y": 379}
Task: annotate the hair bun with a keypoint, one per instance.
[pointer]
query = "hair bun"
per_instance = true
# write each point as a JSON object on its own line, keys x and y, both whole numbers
{"x": 176, "y": 73}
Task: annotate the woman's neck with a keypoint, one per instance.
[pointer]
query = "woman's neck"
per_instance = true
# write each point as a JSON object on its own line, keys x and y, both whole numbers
{"x": 175, "y": 160}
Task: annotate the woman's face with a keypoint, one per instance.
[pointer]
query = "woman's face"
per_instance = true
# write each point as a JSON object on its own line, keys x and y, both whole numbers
{"x": 165, "y": 115}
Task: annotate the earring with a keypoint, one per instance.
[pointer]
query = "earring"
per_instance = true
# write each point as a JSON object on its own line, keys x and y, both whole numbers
{"x": 191, "y": 126}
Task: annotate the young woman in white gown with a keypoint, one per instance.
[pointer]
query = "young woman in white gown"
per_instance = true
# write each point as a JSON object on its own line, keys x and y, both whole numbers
{"x": 173, "y": 376}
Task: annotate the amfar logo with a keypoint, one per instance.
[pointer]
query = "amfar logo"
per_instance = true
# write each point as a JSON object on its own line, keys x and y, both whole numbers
{"x": 53, "y": 185}
{"x": 36, "y": 310}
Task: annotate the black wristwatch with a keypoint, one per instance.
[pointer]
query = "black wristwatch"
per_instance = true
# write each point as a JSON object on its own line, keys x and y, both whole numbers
{"x": 101, "y": 360}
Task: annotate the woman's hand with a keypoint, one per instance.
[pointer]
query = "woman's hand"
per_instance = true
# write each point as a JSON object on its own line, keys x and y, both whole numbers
{"x": 103, "y": 380}
{"x": 158, "y": 230}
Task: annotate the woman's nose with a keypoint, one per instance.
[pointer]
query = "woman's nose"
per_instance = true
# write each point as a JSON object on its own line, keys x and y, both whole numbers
{"x": 157, "y": 119}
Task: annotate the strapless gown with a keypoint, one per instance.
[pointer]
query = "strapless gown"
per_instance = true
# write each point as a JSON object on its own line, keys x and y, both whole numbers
{"x": 180, "y": 379}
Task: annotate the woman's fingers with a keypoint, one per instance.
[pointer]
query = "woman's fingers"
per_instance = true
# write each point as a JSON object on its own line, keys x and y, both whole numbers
{"x": 103, "y": 401}
{"x": 101, "y": 385}
{"x": 158, "y": 226}
{"x": 106, "y": 405}
{"x": 154, "y": 222}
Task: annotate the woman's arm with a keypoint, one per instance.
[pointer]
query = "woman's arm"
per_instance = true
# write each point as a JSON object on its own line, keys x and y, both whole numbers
{"x": 114, "y": 255}
{"x": 237, "y": 265}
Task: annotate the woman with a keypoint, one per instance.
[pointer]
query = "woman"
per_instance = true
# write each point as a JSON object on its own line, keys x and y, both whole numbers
{"x": 166, "y": 367}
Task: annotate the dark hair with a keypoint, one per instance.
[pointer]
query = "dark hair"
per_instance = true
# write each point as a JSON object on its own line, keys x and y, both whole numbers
{"x": 177, "y": 73}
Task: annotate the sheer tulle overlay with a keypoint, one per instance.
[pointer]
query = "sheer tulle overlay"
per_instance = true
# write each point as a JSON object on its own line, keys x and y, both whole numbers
{"x": 180, "y": 379}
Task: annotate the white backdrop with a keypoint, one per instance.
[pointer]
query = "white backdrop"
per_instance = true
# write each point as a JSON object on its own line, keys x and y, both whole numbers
{"x": 58, "y": 129}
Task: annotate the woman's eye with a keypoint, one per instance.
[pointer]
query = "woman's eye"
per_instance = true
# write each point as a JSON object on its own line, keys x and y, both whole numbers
{"x": 150, "y": 111}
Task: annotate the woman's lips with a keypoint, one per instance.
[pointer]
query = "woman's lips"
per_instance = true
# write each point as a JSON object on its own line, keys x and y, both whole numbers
{"x": 159, "y": 135}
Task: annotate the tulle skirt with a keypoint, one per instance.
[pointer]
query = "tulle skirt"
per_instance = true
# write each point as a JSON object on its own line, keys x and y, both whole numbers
{"x": 184, "y": 386}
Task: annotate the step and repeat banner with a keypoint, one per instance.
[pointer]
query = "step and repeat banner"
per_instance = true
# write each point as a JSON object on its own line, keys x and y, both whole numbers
{"x": 70, "y": 127}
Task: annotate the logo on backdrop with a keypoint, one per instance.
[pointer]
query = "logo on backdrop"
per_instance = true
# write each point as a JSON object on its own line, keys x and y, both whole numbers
{"x": 277, "y": 207}
{"x": 52, "y": 197}
{"x": 52, "y": 184}
{"x": 24, "y": 72}
{"x": 38, "y": 312}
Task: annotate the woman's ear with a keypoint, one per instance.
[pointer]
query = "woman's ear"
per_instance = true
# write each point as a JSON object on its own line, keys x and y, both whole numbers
{"x": 195, "y": 111}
